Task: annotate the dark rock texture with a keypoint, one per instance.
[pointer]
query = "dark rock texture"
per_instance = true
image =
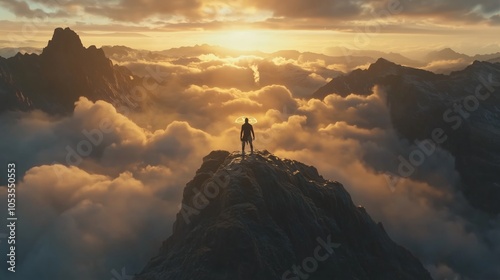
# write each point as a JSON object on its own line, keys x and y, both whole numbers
{"x": 258, "y": 217}
{"x": 64, "y": 71}
{"x": 464, "y": 104}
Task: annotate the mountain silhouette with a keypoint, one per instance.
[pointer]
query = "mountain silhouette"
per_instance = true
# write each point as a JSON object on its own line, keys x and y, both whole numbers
{"x": 268, "y": 218}
{"x": 421, "y": 101}
{"x": 445, "y": 54}
{"x": 450, "y": 54}
{"x": 64, "y": 71}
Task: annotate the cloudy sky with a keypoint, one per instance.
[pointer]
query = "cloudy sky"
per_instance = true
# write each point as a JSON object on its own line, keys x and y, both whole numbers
{"x": 467, "y": 26}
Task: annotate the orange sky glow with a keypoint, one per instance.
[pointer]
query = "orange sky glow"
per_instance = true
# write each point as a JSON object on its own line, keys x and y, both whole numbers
{"x": 389, "y": 25}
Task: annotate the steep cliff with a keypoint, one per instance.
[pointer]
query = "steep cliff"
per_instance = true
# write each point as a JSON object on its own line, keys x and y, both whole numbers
{"x": 263, "y": 217}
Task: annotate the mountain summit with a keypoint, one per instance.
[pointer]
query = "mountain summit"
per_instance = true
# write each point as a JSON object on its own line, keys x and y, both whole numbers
{"x": 64, "y": 41}
{"x": 269, "y": 218}
{"x": 54, "y": 80}
{"x": 420, "y": 101}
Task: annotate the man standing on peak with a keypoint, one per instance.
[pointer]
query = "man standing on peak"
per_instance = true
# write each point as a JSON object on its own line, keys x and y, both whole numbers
{"x": 246, "y": 136}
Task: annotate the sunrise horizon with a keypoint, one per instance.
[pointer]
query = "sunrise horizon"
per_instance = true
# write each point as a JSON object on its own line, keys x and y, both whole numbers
{"x": 318, "y": 41}
{"x": 393, "y": 26}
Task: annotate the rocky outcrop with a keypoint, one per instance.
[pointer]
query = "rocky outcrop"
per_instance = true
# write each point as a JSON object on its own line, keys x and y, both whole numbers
{"x": 263, "y": 217}
{"x": 64, "y": 71}
{"x": 464, "y": 105}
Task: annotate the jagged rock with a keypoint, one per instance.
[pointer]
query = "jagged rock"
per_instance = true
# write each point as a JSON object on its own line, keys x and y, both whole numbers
{"x": 421, "y": 101}
{"x": 64, "y": 42}
{"x": 258, "y": 217}
{"x": 64, "y": 71}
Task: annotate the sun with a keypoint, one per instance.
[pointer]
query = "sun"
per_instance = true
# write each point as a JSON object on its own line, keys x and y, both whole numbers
{"x": 244, "y": 39}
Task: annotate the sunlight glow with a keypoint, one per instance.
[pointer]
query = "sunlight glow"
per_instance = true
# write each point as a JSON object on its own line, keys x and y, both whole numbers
{"x": 241, "y": 120}
{"x": 243, "y": 39}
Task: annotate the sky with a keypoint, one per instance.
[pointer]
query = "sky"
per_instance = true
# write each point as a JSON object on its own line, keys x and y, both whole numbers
{"x": 469, "y": 27}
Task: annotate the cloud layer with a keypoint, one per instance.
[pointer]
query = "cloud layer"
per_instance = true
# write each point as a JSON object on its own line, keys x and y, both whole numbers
{"x": 100, "y": 188}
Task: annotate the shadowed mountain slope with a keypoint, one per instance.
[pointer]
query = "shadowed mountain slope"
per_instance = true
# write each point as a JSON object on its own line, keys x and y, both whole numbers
{"x": 64, "y": 71}
{"x": 263, "y": 217}
{"x": 464, "y": 106}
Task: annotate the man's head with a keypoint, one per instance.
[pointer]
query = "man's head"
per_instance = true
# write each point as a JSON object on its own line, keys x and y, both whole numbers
{"x": 246, "y": 120}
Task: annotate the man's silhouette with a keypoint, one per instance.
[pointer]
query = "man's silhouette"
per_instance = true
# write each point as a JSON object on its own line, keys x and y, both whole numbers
{"x": 246, "y": 136}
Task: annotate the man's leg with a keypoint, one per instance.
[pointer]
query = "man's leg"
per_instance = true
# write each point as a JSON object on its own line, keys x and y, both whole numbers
{"x": 251, "y": 147}
{"x": 242, "y": 147}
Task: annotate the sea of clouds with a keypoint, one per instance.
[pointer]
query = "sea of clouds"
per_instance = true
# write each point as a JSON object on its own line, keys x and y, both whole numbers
{"x": 98, "y": 190}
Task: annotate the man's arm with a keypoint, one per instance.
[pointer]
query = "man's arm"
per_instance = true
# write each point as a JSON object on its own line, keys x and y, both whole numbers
{"x": 241, "y": 133}
{"x": 253, "y": 134}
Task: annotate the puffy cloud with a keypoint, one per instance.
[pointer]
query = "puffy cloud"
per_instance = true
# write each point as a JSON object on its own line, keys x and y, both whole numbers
{"x": 312, "y": 9}
{"x": 425, "y": 213}
{"x": 446, "y": 66}
{"x": 301, "y": 75}
{"x": 129, "y": 10}
{"x": 78, "y": 225}
{"x": 495, "y": 20}
{"x": 133, "y": 11}
{"x": 23, "y": 9}
{"x": 444, "y": 11}
{"x": 396, "y": 16}
{"x": 448, "y": 10}
{"x": 117, "y": 194}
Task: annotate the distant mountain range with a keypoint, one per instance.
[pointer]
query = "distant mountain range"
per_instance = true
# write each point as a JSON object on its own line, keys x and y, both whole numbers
{"x": 269, "y": 218}
{"x": 10, "y": 52}
{"x": 439, "y": 61}
{"x": 374, "y": 55}
{"x": 449, "y": 54}
{"x": 465, "y": 105}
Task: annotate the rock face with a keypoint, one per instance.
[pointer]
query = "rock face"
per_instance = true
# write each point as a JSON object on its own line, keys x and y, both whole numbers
{"x": 268, "y": 218}
{"x": 465, "y": 105}
{"x": 64, "y": 71}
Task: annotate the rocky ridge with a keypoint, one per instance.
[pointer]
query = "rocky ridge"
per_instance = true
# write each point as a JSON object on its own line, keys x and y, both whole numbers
{"x": 263, "y": 217}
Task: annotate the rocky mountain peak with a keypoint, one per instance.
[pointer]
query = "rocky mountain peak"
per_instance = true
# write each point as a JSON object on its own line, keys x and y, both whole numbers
{"x": 66, "y": 48}
{"x": 383, "y": 66}
{"x": 350, "y": 83}
{"x": 480, "y": 70}
{"x": 64, "y": 41}
{"x": 264, "y": 217}
{"x": 64, "y": 71}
